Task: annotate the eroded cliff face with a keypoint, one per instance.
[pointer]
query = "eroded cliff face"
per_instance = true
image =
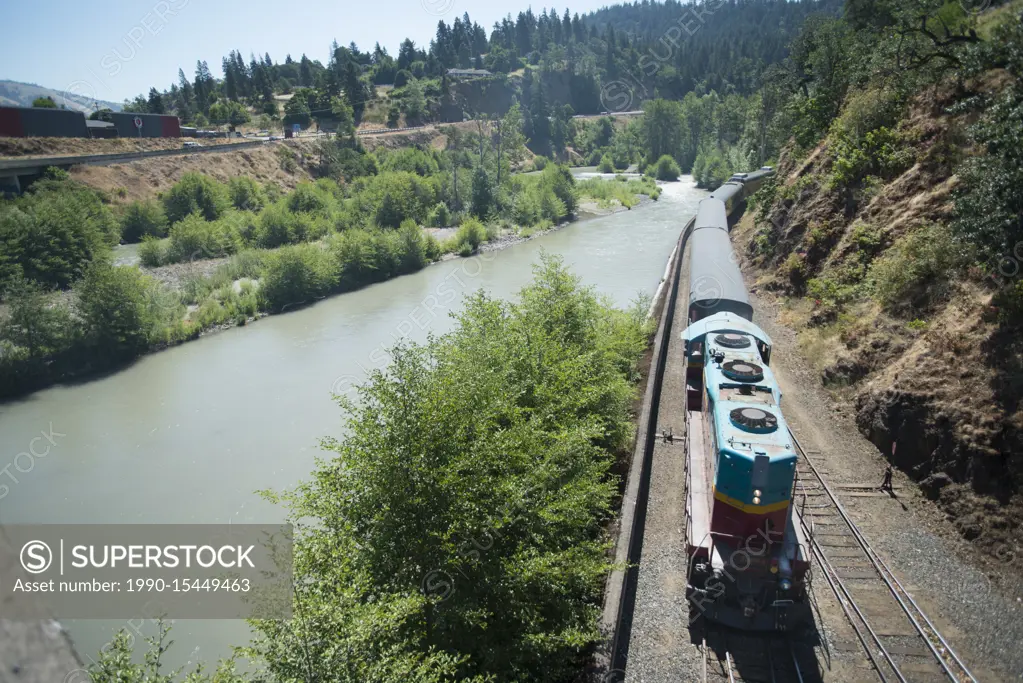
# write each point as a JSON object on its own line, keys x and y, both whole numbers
{"x": 899, "y": 321}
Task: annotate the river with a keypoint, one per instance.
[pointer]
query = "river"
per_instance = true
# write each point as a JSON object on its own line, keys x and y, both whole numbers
{"x": 188, "y": 435}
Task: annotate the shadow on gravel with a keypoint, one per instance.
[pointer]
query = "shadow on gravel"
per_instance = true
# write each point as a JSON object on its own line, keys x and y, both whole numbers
{"x": 756, "y": 656}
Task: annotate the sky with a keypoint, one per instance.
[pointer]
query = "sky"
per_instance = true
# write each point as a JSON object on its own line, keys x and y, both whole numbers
{"x": 116, "y": 49}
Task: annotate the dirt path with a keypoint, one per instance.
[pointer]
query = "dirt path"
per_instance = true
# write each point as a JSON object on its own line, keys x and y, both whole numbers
{"x": 983, "y": 625}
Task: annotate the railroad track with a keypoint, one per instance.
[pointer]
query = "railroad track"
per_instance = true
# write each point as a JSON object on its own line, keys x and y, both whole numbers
{"x": 898, "y": 638}
{"x": 735, "y": 657}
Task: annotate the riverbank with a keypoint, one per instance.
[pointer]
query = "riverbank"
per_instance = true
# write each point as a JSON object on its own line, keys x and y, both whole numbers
{"x": 203, "y": 297}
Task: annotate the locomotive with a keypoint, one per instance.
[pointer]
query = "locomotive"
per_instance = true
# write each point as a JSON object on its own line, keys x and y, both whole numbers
{"x": 748, "y": 563}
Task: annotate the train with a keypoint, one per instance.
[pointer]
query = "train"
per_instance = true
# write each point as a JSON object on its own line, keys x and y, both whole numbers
{"x": 39, "y": 122}
{"x": 748, "y": 560}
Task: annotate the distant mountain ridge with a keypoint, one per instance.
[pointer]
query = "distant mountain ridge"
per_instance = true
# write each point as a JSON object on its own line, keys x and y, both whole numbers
{"x": 17, "y": 94}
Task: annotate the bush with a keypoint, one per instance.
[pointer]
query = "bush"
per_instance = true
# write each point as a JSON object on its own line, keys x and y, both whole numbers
{"x": 595, "y": 158}
{"x": 120, "y": 310}
{"x": 54, "y": 232}
{"x": 153, "y": 252}
{"x": 310, "y": 198}
{"x": 439, "y": 216}
{"x": 606, "y": 164}
{"x": 470, "y": 235}
{"x": 198, "y": 194}
{"x": 558, "y": 178}
{"x": 412, "y": 247}
{"x": 35, "y": 324}
{"x": 395, "y": 196}
{"x": 279, "y": 226}
{"x": 916, "y": 270}
{"x": 411, "y": 160}
{"x": 296, "y": 274}
{"x": 511, "y": 423}
{"x": 539, "y": 162}
{"x": 666, "y": 168}
{"x": 141, "y": 220}
{"x": 193, "y": 239}
{"x": 246, "y": 194}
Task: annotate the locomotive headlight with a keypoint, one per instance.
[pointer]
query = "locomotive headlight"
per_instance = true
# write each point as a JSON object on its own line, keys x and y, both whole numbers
{"x": 756, "y": 500}
{"x": 785, "y": 584}
{"x": 756, "y": 492}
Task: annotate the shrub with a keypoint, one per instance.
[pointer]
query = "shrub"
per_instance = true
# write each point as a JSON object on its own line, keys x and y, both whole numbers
{"x": 520, "y": 400}
{"x": 198, "y": 194}
{"x": 412, "y": 247}
{"x": 153, "y": 252}
{"x": 606, "y": 164}
{"x": 119, "y": 310}
{"x": 36, "y": 324}
{"x": 595, "y": 158}
{"x": 296, "y": 274}
{"x": 143, "y": 219}
{"x": 666, "y": 168}
{"x": 439, "y": 216}
{"x": 246, "y": 194}
{"x": 471, "y": 235}
{"x": 279, "y": 226}
{"x": 539, "y": 162}
{"x": 54, "y": 232}
{"x": 394, "y": 196}
{"x": 412, "y": 160}
{"x": 310, "y": 198}
{"x": 916, "y": 270}
{"x": 193, "y": 239}
{"x": 558, "y": 178}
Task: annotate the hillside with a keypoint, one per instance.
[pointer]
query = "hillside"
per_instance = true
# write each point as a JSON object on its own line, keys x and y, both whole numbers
{"x": 16, "y": 94}
{"x": 911, "y": 318}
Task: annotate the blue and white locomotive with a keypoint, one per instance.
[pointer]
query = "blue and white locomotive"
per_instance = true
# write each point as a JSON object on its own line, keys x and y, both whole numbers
{"x": 748, "y": 559}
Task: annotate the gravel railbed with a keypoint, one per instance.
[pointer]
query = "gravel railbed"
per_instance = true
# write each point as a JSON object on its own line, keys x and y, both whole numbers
{"x": 660, "y": 648}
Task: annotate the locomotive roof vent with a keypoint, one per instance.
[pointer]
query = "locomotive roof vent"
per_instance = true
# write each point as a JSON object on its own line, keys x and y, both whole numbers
{"x": 731, "y": 340}
{"x": 742, "y": 371}
{"x": 754, "y": 420}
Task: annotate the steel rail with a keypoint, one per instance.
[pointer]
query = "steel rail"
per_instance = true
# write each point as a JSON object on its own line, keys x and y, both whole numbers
{"x": 795, "y": 663}
{"x": 888, "y": 577}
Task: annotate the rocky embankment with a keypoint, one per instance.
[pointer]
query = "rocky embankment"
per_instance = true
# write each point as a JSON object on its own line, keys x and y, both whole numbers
{"x": 933, "y": 375}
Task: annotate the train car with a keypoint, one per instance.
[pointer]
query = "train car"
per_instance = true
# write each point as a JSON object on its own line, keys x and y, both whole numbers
{"x": 42, "y": 122}
{"x": 153, "y": 125}
{"x": 748, "y": 558}
{"x": 715, "y": 280}
{"x": 731, "y": 193}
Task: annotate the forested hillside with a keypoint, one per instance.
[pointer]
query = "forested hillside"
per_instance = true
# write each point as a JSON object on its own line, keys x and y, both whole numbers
{"x": 554, "y": 64}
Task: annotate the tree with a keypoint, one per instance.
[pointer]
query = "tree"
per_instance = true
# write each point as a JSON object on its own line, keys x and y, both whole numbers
{"x": 34, "y": 322}
{"x": 143, "y": 219}
{"x": 116, "y": 305}
{"x": 196, "y": 193}
{"x": 482, "y": 194}
{"x": 52, "y": 234}
{"x": 45, "y": 102}
{"x": 305, "y": 72}
{"x": 342, "y": 114}
{"x": 415, "y": 102}
{"x": 662, "y": 128}
{"x": 154, "y": 104}
{"x": 296, "y": 110}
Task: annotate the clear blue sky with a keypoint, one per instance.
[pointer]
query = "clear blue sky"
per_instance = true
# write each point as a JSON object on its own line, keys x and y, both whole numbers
{"x": 116, "y": 49}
